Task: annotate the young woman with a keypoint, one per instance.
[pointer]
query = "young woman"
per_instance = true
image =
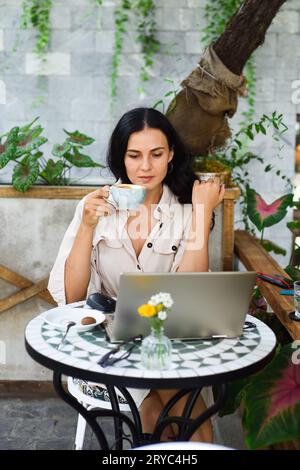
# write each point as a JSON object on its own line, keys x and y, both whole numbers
{"x": 100, "y": 242}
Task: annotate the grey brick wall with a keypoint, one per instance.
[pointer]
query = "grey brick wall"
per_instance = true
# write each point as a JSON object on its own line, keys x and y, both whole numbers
{"x": 76, "y": 82}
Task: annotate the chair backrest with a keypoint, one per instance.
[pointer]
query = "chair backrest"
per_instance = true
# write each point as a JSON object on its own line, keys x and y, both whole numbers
{"x": 90, "y": 400}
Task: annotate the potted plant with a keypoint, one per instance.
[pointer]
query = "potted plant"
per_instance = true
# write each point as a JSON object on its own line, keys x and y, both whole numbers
{"x": 36, "y": 212}
{"x": 207, "y": 168}
{"x": 230, "y": 163}
{"x": 22, "y": 146}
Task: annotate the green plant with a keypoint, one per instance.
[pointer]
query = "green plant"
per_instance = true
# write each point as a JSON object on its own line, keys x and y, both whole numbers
{"x": 161, "y": 102}
{"x": 264, "y": 215}
{"x": 37, "y": 14}
{"x": 270, "y": 399}
{"x": 293, "y": 268}
{"x": 217, "y": 15}
{"x": 145, "y": 12}
{"x": 121, "y": 18}
{"x": 236, "y": 156}
{"x": 22, "y": 146}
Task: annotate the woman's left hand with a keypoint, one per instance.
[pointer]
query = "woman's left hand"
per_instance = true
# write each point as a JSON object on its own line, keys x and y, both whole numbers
{"x": 209, "y": 193}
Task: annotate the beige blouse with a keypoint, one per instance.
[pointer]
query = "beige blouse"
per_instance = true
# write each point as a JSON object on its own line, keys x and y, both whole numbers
{"x": 113, "y": 253}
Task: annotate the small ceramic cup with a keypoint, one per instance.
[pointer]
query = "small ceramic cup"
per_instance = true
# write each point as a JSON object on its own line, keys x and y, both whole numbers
{"x": 126, "y": 196}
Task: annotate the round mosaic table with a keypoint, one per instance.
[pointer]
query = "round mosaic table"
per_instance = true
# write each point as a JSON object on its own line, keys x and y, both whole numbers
{"x": 195, "y": 364}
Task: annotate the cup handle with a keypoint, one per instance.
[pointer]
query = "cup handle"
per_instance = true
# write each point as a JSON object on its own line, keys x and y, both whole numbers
{"x": 111, "y": 200}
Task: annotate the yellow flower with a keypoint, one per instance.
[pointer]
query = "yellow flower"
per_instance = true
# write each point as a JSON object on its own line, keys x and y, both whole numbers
{"x": 159, "y": 307}
{"x": 147, "y": 310}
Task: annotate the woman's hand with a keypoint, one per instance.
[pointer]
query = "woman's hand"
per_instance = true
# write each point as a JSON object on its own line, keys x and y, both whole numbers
{"x": 95, "y": 207}
{"x": 209, "y": 193}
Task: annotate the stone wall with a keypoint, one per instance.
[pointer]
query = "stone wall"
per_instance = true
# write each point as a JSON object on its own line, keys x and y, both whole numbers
{"x": 76, "y": 80}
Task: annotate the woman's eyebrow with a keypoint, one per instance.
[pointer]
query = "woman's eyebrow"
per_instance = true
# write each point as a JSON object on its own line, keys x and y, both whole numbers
{"x": 152, "y": 150}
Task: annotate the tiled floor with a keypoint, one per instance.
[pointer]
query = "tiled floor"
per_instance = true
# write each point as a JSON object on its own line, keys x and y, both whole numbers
{"x": 48, "y": 423}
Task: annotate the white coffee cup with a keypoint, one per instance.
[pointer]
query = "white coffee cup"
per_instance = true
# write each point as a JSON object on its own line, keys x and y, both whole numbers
{"x": 126, "y": 196}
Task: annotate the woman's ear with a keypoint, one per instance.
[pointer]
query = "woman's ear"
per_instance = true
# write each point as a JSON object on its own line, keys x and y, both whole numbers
{"x": 171, "y": 155}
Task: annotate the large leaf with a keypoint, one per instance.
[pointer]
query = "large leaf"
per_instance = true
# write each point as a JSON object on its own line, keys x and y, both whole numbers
{"x": 30, "y": 140}
{"x": 272, "y": 401}
{"x": 28, "y": 135}
{"x": 25, "y": 138}
{"x": 79, "y": 138}
{"x": 59, "y": 150}
{"x": 53, "y": 171}
{"x": 271, "y": 247}
{"x": 80, "y": 160}
{"x": 12, "y": 136}
{"x": 7, "y": 153}
{"x": 265, "y": 215}
{"x": 294, "y": 227}
{"x": 234, "y": 396}
{"x": 270, "y": 319}
{"x": 25, "y": 173}
{"x": 29, "y": 146}
{"x": 293, "y": 272}
{"x": 27, "y": 127}
{"x": 8, "y": 149}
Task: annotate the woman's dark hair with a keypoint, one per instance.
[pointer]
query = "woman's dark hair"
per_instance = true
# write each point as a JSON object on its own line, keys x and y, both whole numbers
{"x": 180, "y": 180}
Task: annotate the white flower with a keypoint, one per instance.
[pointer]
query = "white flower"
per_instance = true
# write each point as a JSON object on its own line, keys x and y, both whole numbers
{"x": 168, "y": 303}
{"x": 167, "y": 300}
{"x": 155, "y": 300}
{"x": 161, "y": 298}
{"x": 162, "y": 315}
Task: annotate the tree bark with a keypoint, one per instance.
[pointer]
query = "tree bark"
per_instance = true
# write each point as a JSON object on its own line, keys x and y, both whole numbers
{"x": 245, "y": 32}
{"x": 210, "y": 93}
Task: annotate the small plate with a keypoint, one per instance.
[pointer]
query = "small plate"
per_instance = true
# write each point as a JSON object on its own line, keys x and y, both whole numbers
{"x": 59, "y": 316}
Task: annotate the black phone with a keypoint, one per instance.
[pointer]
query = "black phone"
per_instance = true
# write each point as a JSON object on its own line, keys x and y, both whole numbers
{"x": 101, "y": 302}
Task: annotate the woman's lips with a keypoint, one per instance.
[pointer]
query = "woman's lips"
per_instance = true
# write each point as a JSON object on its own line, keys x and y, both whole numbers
{"x": 146, "y": 178}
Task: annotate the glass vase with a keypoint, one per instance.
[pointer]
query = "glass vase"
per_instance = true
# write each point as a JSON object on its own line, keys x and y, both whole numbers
{"x": 156, "y": 350}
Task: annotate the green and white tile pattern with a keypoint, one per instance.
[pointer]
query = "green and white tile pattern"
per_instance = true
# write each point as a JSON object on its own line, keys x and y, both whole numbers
{"x": 190, "y": 358}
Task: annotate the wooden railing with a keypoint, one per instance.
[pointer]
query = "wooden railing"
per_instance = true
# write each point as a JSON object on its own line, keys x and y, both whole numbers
{"x": 255, "y": 258}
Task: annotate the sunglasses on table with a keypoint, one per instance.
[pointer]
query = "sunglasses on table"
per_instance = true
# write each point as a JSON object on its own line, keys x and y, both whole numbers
{"x": 109, "y": 358}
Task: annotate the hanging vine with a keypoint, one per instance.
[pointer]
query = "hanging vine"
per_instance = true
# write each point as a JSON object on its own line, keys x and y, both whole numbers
{"x": 36, "y": 13}
{"x": 121, "y": 18}
{"x": 217, "y": 14}
{"x": 145, "y": 13}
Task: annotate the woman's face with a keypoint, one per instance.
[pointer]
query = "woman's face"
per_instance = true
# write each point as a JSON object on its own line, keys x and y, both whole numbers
{"x": 147, "y": 157}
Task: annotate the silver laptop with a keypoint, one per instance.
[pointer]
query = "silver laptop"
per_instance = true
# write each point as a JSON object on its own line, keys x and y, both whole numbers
{"x": 205, "y": 304}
